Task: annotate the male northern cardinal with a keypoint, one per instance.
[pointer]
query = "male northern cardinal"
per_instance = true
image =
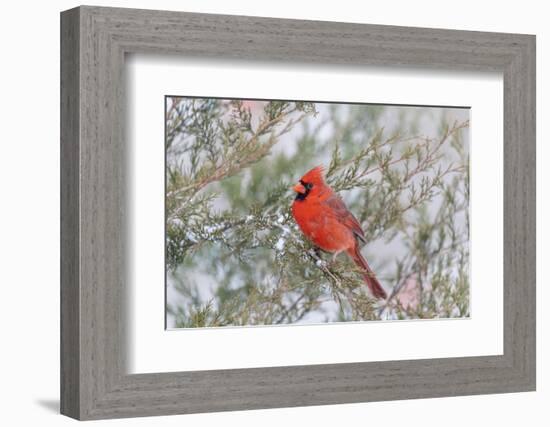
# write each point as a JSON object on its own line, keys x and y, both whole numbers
{"x": 326, "y": 221}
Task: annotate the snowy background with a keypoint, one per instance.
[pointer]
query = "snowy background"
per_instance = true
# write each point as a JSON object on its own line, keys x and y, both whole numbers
{"x": 209, "y": 273}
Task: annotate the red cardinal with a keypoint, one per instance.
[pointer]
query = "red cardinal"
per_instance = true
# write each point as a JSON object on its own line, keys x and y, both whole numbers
{"x": 324, "y": 219}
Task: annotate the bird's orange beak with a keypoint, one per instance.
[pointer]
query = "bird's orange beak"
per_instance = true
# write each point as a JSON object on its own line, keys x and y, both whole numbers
{"x": 299, "y": 188}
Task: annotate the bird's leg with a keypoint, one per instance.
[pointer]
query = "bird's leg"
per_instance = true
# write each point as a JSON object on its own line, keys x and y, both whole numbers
{"x": 334, "y": 255}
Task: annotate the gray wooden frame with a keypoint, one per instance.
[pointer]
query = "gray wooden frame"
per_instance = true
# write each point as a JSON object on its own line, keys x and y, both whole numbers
{"x": 94, "y": 41}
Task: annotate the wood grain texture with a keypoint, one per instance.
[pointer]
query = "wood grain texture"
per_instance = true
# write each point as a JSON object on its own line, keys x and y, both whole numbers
{"x": 94, "y": 382}
{"x": 70, "y": 291}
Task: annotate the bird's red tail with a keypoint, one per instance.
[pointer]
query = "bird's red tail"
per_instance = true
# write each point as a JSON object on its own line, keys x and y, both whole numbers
{"x": 372, "y": 282}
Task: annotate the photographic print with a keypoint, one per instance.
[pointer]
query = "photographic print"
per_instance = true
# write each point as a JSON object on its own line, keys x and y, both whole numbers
{"x": 293, "y": 212}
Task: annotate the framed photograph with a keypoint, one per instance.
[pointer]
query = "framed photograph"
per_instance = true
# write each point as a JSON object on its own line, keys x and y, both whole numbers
{"x": 261, "y": 213}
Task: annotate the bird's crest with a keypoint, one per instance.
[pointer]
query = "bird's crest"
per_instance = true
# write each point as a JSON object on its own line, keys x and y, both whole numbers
{"x": 314, "y": 176}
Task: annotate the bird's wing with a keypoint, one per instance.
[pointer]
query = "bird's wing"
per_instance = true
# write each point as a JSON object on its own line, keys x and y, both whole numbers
{"x": 344, "y": 216}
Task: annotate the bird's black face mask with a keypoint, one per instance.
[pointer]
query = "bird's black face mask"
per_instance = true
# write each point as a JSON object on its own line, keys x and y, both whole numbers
{"x": 307, "y": 186}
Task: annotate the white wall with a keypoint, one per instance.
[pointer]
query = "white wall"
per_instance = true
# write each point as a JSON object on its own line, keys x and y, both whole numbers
{"x": 29, "y": 211}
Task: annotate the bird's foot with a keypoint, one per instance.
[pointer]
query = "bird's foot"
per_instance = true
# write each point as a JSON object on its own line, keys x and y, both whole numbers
{"x": 333, "y": 260}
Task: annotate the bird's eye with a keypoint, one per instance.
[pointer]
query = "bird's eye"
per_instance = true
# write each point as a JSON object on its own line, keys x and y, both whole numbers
{"x": 307, "y": 185}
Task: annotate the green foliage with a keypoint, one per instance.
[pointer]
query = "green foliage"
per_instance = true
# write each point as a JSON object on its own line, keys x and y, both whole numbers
{"x": 235, "y": 255}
